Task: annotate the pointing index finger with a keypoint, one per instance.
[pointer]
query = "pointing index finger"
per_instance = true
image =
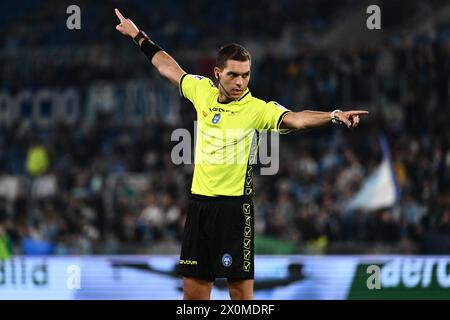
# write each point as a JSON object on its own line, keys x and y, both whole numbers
{"x": 119, "y": 15}
{"x": 358, "y": 112}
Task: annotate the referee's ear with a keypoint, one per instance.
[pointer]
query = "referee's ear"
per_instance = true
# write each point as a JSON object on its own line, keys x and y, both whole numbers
{"x": 217, "y": 72}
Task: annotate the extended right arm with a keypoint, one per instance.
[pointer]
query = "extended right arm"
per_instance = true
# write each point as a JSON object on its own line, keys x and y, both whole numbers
{"x": 168, "y": 67}
{"x": 162, "y": 61}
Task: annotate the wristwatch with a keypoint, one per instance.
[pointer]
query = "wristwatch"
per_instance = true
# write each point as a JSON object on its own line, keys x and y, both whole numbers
{"x": 333, "y": 117}
{"x": 141, "y": 34}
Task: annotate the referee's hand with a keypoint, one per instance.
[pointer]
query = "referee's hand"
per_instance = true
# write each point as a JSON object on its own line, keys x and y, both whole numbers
{"x": 351, "y": 118}
{"x": 126, "y": 26}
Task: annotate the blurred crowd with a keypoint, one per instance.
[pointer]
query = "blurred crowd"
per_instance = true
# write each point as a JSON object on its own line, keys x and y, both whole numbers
{"x": 116, "y": 189}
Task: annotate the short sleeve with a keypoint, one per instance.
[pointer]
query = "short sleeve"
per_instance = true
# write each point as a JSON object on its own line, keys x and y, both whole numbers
{"x": 194, "y": 87}
{"x": 271, "y": 117}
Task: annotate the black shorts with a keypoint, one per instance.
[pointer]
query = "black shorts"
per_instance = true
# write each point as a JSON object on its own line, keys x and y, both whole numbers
{"x": 218, "y": 238}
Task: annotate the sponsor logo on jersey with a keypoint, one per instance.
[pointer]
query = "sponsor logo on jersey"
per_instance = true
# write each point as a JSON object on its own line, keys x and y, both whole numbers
{"x": 216, "y": 109}
{"x": 192, "y": 262}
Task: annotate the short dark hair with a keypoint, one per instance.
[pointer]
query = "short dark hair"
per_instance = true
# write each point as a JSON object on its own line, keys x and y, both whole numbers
{"x": 232, "y": 51}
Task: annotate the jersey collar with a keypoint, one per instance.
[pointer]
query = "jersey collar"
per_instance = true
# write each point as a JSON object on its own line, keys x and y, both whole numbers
{"x": 243, "y": 98}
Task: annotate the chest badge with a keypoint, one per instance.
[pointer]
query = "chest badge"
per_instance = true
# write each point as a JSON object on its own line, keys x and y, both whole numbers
{"x": 216, "y": 118}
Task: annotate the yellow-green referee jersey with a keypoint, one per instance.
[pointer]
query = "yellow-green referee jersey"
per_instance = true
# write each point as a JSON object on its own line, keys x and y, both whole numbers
{"x": 227, "y": 137}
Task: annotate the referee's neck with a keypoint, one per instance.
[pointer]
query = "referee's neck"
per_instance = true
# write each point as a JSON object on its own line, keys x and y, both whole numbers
{"x": 222, "y": 98}
{"x": 225, "y": 98}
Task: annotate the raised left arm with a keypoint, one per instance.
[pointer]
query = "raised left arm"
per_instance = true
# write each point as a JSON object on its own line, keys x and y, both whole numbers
{"x": 314, "y": 119}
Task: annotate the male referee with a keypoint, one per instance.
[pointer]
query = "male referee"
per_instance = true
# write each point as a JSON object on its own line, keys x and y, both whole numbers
{"x": 219, "y": 236}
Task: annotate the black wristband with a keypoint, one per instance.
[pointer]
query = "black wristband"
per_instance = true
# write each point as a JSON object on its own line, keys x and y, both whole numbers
{"x": 149, "y": 48}
{"x": 141, "y": 34}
